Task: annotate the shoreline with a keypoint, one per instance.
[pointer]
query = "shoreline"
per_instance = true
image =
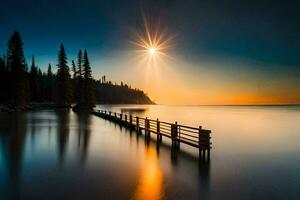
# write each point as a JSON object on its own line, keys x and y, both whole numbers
{"x": 31, "y": 106}
{"x": 4, "y": 108}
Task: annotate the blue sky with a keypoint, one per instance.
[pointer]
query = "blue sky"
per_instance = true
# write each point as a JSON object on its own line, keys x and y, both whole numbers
{"x": 254, "y": 36}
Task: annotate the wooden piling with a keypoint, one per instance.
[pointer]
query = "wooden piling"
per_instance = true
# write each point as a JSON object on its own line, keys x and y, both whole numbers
{"x": 130, "y": 120}
{"x": 137, "y": 124}
{"x": 147, "y": 127}
{"x": 199, "y": 141}
{"x": 159, "y": 136}
{"x": 174, "y": 135}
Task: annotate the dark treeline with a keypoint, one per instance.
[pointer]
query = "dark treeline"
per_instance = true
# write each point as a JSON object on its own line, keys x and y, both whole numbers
{"x": 22, "y": 84}
{"x": 109, "y": 93}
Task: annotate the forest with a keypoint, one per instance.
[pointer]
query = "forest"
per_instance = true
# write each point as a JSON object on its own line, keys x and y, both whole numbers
{"x": 23, "y": 84}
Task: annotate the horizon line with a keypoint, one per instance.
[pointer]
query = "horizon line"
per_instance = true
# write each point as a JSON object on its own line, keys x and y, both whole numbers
{"x": 279, "y": 104}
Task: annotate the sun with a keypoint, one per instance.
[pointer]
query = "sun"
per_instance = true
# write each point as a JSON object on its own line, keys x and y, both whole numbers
{"x": 152, "y": 43}
{"x": 152, "y": 50}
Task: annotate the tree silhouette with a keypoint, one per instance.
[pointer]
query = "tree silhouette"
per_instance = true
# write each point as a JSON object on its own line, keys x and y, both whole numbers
{"x": 49, "y": 83}
{"x": 64, "y": 89}
{"x": 77, "y": 78}
{"x": 3, "y": 80}
{"x": 79, "y": 87}
{"x": 88, "y": 84}
{"x": 108, "y": 93}
{"x": 79, "y": 63}
{"x": 34, "y": 80}
{"x": 19, "y": 91}
{"x": 49, "y": 71}
{"x": 74, "y": 70}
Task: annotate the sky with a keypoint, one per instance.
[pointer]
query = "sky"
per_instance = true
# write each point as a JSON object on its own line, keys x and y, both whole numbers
{"x": 218, "y": 52}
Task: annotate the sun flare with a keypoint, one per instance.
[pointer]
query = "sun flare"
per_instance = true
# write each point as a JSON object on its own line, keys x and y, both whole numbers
{"x": 151, "y": 49}
{"x": 152, "y": 43}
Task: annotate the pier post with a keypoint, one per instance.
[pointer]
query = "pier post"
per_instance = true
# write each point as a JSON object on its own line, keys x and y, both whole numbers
{"x": 147, "y": 127}
{"x": 177, "y": 137}
{"x": 174, "y": 135}
{"x": 201, "y": 150}
{"x": 137, "y": 124}
{"x": 159, "y": 136}
{"x": 130, "y": 120}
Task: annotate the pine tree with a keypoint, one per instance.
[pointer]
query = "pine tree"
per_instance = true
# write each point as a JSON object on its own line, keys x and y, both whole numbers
{"x": 75, "y": 81}
{"x": 79, "y": 63}
{"x": 74, "y": 70}
{"x": 49, "y": 71}
{"x": 2, "y": 67}
{"x": 40, "y": 74}
{"x": 3, "y": 81}
{"x": 41, "y": 86}
{"x": 19, "y": 79}
{"x": 49, "y": 83}
{"x": 86, "y": 85}
{"x": 79, "y": 84}
{"x": 34, "y": 80}
{"x": 64, "y": 87}
{"x": 33, "y": 67}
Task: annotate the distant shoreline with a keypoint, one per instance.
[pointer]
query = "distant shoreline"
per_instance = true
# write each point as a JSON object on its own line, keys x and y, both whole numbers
{"x": 50, "y": 105}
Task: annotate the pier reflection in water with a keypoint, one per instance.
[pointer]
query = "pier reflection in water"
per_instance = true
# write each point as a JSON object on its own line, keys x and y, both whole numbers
{"x": 59, "y": 154}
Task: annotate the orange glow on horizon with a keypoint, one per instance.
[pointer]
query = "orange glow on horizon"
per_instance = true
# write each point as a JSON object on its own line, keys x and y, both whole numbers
{"x": 176, "y": 82}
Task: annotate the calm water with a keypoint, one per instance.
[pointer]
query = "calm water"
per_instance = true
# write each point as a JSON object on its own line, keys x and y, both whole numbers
{"x": 57, "y": 154}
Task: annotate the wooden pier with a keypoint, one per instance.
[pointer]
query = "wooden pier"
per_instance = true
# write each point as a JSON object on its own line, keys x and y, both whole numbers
{"x": 195, "y": 137}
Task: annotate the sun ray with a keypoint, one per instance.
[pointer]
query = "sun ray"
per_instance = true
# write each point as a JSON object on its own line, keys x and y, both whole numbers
{"x": 152, "y": 43}
{"x": 151, "y": 51}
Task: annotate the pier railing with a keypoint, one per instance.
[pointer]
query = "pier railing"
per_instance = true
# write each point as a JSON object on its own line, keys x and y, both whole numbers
{"x": 193, "y": 136}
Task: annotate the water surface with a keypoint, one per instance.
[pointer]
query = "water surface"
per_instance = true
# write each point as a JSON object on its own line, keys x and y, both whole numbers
{"x": 57, "y": 154}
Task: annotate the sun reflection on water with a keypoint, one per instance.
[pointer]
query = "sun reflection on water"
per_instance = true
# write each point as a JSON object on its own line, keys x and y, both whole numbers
{"x": 150, "y": 185}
